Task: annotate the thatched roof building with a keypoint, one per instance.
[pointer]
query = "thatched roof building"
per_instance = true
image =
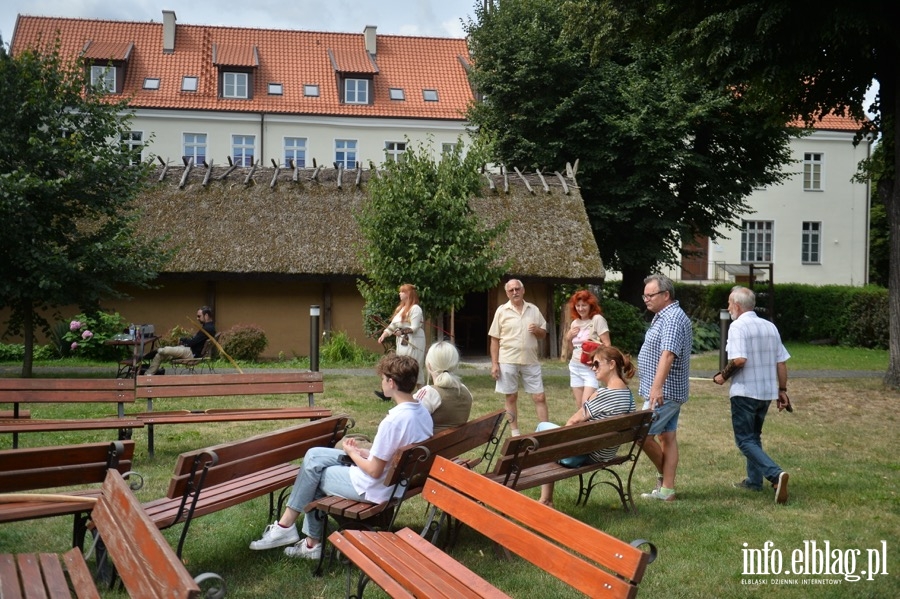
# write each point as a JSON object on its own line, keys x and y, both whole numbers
{"x": 301, "y": 223}
{"x": 262, "y": 245}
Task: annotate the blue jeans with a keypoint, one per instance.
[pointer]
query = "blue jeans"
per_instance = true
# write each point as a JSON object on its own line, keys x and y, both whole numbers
{"x": 322, "y": 474}
{"x": 747, "y": 418}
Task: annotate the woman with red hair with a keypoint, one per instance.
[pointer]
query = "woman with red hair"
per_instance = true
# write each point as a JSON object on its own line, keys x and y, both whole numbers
{"x": 588, "y": 324}
{"x": 407, "y": 325}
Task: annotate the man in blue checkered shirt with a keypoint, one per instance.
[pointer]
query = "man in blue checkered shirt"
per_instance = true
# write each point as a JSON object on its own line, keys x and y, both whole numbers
{"x": 758, "y": 373}
{"x": 664, "y": 365}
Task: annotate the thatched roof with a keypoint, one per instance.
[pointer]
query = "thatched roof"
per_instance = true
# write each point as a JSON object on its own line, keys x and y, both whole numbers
{"x": 241, "y": 224}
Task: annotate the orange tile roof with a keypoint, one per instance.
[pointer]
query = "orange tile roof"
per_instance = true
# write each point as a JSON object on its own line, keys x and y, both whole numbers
{"x": 290, "y": 57}
{"x": 832, "y": 122}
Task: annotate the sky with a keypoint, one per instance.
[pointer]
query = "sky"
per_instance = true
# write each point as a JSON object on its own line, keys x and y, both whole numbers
{"x": 432, "y": 18}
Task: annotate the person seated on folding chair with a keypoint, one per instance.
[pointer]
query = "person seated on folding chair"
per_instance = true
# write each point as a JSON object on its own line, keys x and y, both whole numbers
{"x": 188, "y": 347}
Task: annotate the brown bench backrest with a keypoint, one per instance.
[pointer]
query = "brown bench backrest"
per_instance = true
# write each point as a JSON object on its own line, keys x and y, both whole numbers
{"x": 213, "y": 385}
{"x": 549, "y": 446}
{"x": 239, "y": 458}
{"x": 61, "y": 466}
{"x": 555, "y": 542}
{"x": 66, "y": 390}
{"x": 412, "y": 462}
{"x": 144, "y": 560}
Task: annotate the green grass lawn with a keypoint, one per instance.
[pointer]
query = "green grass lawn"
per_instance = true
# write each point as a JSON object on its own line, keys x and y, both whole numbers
{"x": 836, "y": 445}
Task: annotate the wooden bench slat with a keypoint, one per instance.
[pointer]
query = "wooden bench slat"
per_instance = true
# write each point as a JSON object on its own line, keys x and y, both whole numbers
{"x": 446, "y": 487}
{"x": 31, "y": 579}
{"x": 223, "y": 415}
{"x": 54, "y": 577}
{"x": 16, "y": 425}
{"x": 382, "y": 550}
{"x": 144, "y": 560}
{"x": 451, "y": 566}
{"x": 81, "y": 577}
{"x": 378, "y": 576}
{"x": 9, "y": 577}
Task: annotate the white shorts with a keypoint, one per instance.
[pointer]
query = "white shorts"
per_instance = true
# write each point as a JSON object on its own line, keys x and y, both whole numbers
{"x": 581, "y": 375}
{"x": 508, "y": 382}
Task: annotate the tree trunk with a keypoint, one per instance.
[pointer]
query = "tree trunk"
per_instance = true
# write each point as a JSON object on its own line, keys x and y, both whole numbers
{"x": 633, "y": 286}
{"x": 28, "y": 332}
{"x": 889, "y": 192}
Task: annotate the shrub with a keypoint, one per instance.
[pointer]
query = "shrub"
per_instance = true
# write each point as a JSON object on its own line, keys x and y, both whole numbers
{"x": 626, "y": 327}
{"x": 12, "y": 352}
{"x": 867, "y": 320}
{"x": 88, "y": 332}
{"x": 341, "y": 349}
{"x": 706, "y": 336}
{"x": 244, "y": 342}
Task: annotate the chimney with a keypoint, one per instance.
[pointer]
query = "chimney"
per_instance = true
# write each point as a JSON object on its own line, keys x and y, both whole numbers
{"x": 168, "y": 31}
{"x": 369, "y": 32}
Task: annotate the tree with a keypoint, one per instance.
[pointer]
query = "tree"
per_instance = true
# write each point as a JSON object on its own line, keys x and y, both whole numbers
{"x": 418, "y": 228}
{"x": 66, "y": 194}
{"x": 664, "y": 158}
{"x": 790, "y": 59}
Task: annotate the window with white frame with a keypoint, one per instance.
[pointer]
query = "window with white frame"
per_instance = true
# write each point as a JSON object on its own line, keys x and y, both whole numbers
{"x": 345, "y": 152}
{"x": 195, "y": 147}
{"x": 132, "y": 144}
{"x": 813, "y": 163}
{"x": 295, "y": 149}
{"x": 448, "y": 148}
{"x": 756, "y": 240}
{"x": 811, "y": 243}
{"x": 356, "y": 91}
{"x": 105, "y": 77}
{"x": 242, "y": 149}
{"x": 394, "y": 150}
{"x": 234, "y": 85}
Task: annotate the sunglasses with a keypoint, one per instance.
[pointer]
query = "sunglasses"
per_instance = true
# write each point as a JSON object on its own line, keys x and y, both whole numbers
{"x": 595, "y": 364}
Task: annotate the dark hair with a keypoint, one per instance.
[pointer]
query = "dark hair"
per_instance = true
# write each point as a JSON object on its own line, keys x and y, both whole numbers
{"x": 206, "y": 310}
{"x": 403, "y": 370}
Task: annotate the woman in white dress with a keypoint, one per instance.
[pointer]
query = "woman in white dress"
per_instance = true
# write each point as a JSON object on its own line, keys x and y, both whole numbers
{"x": 588, "y": 324}
{"x": 407, "y": 324}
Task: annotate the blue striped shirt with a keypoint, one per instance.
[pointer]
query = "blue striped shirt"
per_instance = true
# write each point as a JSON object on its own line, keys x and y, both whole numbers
{"x": 670, "y": 330}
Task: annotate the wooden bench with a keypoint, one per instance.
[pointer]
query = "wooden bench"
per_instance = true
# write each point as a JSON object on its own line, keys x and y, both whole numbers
{"x": 215, "y": 478}
{"x": 154, "y": 387}
{"x": 23, "y": 470}
{"x": 407, "y": 472}
{"x": 531, "y": 460}
{"x": 143, "y": 559}
{"x": 404, "y": 564}
{"x": 58, "y": 391}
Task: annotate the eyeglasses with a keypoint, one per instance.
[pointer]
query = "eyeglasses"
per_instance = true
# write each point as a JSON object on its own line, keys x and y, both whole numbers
{"x": 647, "y": 296}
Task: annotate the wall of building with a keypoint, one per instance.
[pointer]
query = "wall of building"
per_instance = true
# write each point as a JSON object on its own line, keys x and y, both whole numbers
{"x": 270, "y": 130}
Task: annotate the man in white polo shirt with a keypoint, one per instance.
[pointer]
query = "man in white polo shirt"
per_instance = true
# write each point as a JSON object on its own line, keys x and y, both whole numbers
{"x": 514, "y": 333}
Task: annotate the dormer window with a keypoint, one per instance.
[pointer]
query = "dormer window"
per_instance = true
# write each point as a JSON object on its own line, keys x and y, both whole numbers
{"x": 235, "y": 85}
{"x": 106, "y": 63}
{"x": 104, "y": 78}
{"x": 356, "y": 91}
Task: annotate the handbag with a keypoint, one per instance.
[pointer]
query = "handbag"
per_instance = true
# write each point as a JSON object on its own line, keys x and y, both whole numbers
{"x": 587, "y": 348}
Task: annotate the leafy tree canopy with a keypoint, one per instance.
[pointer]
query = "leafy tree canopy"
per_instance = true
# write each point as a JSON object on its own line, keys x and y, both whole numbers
{"x": 418, "y": 228}
{"x": 66, "y": 193}
{"x": 790, "y": 59}
{"x": 664, "y": 157}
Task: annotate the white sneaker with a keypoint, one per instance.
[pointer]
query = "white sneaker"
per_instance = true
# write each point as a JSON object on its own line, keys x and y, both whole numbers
{"x": 276, "y": 536}
{"x": 303, "y": 551}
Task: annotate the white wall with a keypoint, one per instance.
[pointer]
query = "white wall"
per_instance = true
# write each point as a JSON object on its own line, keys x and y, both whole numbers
{"x": 321, "y": 132}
